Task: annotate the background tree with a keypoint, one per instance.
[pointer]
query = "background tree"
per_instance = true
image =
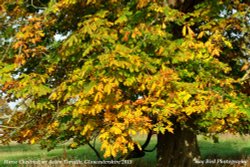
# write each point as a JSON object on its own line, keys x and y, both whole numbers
{"x": 110, "y": 69}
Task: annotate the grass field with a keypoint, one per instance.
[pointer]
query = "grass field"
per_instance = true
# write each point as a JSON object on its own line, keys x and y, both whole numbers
{"x": 229, "y": 148}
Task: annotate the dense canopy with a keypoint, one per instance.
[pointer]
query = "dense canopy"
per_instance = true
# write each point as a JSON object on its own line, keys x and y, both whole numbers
{"x": 111, "y": 69}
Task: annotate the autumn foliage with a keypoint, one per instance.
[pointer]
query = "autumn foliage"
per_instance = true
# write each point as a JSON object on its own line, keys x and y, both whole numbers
{"x": 111, "y": 69}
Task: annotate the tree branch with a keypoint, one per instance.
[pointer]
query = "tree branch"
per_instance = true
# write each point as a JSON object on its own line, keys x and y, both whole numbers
{"x": 6, "y": 51}
{"x": 96, "y": 152}
{"x": 151, "y": 150}
{"x": 36, "y": 7}
{"x": 137, "y": 152}
{"x": 147, "y": 140}
{"x": 8, "y": 127}
{"x": 4, "y": 117}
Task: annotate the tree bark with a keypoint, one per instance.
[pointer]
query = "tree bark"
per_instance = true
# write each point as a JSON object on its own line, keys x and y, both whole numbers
{"x": 178, "y": 149}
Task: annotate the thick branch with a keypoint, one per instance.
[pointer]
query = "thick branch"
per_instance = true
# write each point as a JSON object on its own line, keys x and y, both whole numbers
{"x": 151, "y": 150}
{"x": 137, "y": 152}
{"x": 147, "y": 140}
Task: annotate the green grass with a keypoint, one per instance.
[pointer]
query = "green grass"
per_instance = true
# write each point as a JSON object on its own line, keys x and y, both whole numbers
{"x": 229, "y": 147}
{"x": 17, "y": 152}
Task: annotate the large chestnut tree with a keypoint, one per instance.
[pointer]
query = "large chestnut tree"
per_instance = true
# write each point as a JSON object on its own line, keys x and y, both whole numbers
{"x": 110, "y": 69}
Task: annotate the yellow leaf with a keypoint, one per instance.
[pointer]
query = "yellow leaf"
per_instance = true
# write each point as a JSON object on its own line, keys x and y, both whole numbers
{"x": 90, "y": 1}
{"x": 33, "y": 140}
{"x": 185, "y": 96}
{"x": 115, "y": 130}
{"x": 88, "y": 127}
{"x": 153, "y": 86}
{"x": 132, "y": 132}
{"x": 164, "y": 25}
{"x": 216, "y": 52}
{"x": 26, "y": 133}
{"x": 107, "y": 151}
{"x": 98, "y": 96}
{"x": 133, "y": 35}
{"x": 107, "y": 89}
{"x": 124, "y": 151}
{"x": 53, "y": 96}
{"x": 55, "y": 124}
{"x": 131, "y": 146}
{"x": 104, "y": 136}
{"x": 245, "y": 66}
{"x": 160, "y": 51}
{"x": 201, "y": 34}
{"x": 143, "y": 132}
{"x": 113, "y": 152}
{"x": 170, "y": 129}
{"x": 189, "y": 110}
{"x": 142, "y": 3}
{"x": 73, "y": 145}
{"x": 184, "y": 29}
{"x": 190, "y": 31}
{"x": 232, "y": 120}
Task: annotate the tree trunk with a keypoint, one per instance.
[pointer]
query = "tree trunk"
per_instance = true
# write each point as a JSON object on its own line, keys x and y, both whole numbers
{"x": 178, "y": 149}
